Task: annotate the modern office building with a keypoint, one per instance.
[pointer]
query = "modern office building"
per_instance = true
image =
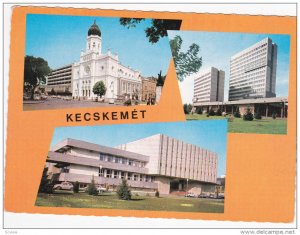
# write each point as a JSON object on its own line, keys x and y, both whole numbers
{"x": 60, "y": 80}
{"x": 95, "y": 66}
{"x": 157, "y": 162}
{"x": 209, "y": 85}
{"x": 253, "y": 72}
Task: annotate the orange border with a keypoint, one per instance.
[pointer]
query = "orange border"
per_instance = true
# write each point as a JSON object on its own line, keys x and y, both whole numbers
{"x": 260, "y": 179}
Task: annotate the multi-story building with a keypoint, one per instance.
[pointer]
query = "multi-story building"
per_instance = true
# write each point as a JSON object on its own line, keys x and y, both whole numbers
{"x": 95, "y": 66}
{"x": 60, "y": 80}
{"x": 148, "y": 88}
{"x": 253, "y": 71}
{"x": 157, "y": 162}
{"x": 209, "y": 86}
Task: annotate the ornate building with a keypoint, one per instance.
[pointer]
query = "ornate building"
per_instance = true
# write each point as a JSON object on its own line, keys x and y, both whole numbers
{"x": 93, "y": 66}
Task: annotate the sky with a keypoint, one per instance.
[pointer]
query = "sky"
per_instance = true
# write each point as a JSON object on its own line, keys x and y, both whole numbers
{"x": 211, "y": 135}
{"x": 59, "y": 40}
{"x": 216, "y": 48}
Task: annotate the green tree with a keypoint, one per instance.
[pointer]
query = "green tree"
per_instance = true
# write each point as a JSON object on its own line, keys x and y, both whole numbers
{"x": 187, "y": 108}
{"x": 211, "y": 112}
{"x": 92, "y": 190}
{"x": 123, "y": 191}
{"x": 157, "y": 30}
{"x": 76, "y": 187}
{"x": 35, "y": 73}
{"x": 44, "y": 181}
{"x": 186, "y": 63}
{"x": 237, "y": 113}
{"x": 248, "y": 116}
{"x": 99, "y": 88}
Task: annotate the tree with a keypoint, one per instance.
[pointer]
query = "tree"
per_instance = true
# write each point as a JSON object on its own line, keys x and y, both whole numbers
{"x": 211, "y": 112}
{"x": 35, "y": 72}
{"x": 76, "y": 187}
{"x": 274, "y": 114}
{"x": 248, "y": 116}
{"x": 156, "y": 193}
{"x": 187, "y": 108}
{"x": 92, "y": 190}
{"x": 186, "y": 63}
{"x": 157, "y": 30}
{"x": 123, "y": 191}
{"x": 160, "y": 79}
{"x": 99, "y": 88}
{"x": 44, "y": 181}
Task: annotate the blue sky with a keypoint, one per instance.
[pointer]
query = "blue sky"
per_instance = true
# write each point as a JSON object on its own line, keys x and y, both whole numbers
{"x": 211, "y": 135}
{"x": 216, "y": 48}
{"x": 59, "y": 39}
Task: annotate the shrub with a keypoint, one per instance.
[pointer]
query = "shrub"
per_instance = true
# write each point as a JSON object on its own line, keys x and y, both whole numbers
{"x": 199, "y": 110}
{"x": 211, "y": 112}
{"x": 76, "y": 187}
{"x": 274, "y": 115}
{"x": 127, "y": 102}
{"x": 237, "y": 114}
{"x": 248, "y": 116}
{"x": 157, "y": 193}
{"x": 257, "y": 115}
{"x": 230, "y": 118}
{"x": 123, "y": 191}
{"x": 92, "y": 190}
{"x": 219, "y": 112}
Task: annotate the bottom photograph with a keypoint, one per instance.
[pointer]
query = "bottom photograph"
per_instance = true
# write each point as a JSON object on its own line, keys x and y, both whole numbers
{"x": 171, "y": 166}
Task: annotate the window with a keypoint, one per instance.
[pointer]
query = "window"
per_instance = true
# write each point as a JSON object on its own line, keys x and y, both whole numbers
{"x": 108, "y": 173}
{"x": 129, "y": 176}
{"x": 130, "y": 162}
{"x": 122, "y": 175}
{"x": 109, "y": 158}
{"x": 101, "y": 172}
{"x": 116, "y": 174}
{"x": 124, "y": 161}
{"x": 117, "y": 160}
{"x": 135, "y": 177}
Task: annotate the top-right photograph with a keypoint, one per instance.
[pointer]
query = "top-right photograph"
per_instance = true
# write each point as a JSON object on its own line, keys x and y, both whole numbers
{"x": 238, "y": 76}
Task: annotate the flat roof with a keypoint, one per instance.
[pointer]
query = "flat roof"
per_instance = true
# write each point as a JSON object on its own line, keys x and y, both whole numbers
{"x": 99, "y": 148}
{"x": 245, "y": 101}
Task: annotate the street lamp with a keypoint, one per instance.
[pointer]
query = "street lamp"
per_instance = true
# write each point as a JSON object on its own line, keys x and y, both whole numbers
{"x": 187, "y": 185}
{"x": 100, "y": 170}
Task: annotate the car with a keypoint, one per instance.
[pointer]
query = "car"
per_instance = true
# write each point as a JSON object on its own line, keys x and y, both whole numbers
{"x": 111, "y": 101}
{"x": 190, "y": 194}
{"x": 63, "y": 186}
{"x": 101, "y": 190}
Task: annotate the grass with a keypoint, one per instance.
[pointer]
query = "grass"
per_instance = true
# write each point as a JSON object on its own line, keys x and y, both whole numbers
{"x": 263, "y": 126}
{"x": 105, "y": 201}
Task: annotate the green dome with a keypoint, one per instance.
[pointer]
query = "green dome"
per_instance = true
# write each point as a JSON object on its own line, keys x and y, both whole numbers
{"x": 94, "y": 30}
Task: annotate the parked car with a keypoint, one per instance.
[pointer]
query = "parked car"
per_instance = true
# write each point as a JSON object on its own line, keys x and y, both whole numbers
{"x": 101, "y": 190}
{"x": 111, "y": 101}
{"x": 63, "y": 186}
{"x": 190, "y": 194}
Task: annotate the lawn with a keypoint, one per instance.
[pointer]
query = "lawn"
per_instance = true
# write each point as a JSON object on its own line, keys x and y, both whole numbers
{"x": 109, "y": 201}
{"x": 238, "y": 125}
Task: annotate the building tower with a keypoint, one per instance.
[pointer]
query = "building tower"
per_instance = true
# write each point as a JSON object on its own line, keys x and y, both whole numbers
{"x": 209, "y": 86}
{"x": 93, "y": 42}
{"x": 253, "y": 71}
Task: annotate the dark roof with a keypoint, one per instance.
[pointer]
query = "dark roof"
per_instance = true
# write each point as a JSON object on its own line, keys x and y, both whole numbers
{"x": 94, "y": 30}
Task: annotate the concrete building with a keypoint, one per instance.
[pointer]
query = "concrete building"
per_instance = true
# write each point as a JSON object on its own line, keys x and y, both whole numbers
{"x": 265, "y": 106}
{"x": 157, "y": 162}
{"x": 95, "y": 66}
{"x": 60, "y": 80}
{"x": 209, "y": 86}
{"x": 253, "y": 72}
{"x": 148, "y": 88}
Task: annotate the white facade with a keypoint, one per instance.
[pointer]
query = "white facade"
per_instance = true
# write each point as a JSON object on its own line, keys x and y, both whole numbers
{"x": 209, "y": 86}
{"x": 253, "y": 72}
{"x": 94, "y": 66}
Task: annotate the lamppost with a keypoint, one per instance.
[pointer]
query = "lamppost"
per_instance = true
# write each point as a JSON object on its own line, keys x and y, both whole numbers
{"x": 187, "y": 185}
{"x": 100, "y": 166}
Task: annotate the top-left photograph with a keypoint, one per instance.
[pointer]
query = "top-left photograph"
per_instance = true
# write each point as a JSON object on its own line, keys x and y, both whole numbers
{"x": 91, "y": 61}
